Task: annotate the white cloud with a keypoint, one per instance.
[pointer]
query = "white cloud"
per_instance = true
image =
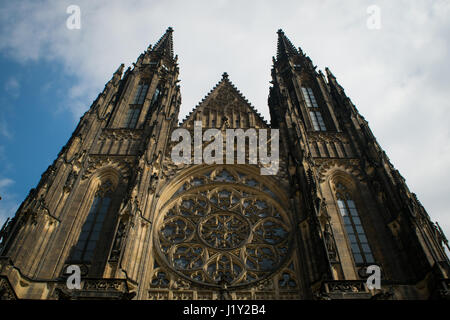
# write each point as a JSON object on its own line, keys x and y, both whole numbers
{"x": 5, "y": 182}
{"x": 12, "y": 87}
{"x": 396, "y": 76}
{"x": 4, "y": 129}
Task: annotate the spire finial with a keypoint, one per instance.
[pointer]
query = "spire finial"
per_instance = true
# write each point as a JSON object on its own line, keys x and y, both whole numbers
{"x": 329, "y": 73}
{"x": 225, "y": 76}
{"x": 120, "y": 69}
{"x": 165, "y": 43}
{"x": 284, "y": 46}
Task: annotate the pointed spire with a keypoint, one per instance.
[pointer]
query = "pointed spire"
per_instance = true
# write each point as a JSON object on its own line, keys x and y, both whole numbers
{"x": 329, "y": 73}
{"x": 285, "y": 46}
{"x": 332, "y": 80}
{"x": 165, "y": 44}
{"x": 120, "y": 69}
{"x": 117, "y": 75}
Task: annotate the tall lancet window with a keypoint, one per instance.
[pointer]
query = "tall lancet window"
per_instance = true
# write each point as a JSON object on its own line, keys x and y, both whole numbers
{"x": 317, "y": 121}
{"x": 136, "y": 106}
{"x": 309, "y": 97}
{"x": 314, "y": 112}
{"x": 353, "y": 227}
{"x": 132, "y": 116}
{"x": 141, "y": 92}
{"x": 90, "y": 232}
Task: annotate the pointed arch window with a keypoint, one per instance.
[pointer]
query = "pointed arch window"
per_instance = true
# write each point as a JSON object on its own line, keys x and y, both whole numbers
{"x": 314, "y": 112}
{"x": 134, "y": 110}
{"x": 317, "y": 121}
{"x": 91, "y": 230}
{"x": 362, "y": 254}
{"x": 132, "y": 116}
{"x": 141, "y": 92}
{"x": 309, "y": 97}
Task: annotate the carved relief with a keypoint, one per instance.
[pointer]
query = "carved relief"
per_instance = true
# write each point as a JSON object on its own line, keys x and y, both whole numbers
{"x": 349, "y": 166}
{"x": 219, "y": 232}
{"x": 122, "y": 164}
{"x": 70, "y": 181}
{"x": 73, "y": 149}
{"x": 6, "y": 291}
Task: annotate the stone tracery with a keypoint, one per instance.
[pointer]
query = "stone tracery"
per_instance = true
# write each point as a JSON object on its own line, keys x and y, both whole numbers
{"x": 223, "y": 224}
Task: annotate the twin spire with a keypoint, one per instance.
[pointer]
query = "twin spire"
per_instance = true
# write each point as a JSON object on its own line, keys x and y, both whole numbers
{"x": 285, "y": 48}
{"x": 164, "y": 45}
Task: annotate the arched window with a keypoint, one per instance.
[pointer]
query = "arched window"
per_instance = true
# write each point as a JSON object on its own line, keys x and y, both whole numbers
{"x": 140, "y": 94}
{"x": 314, "y": 111}
{"x": 135, "y": 107}
{"x": 132, "y": 116}
{"x": 353, "y": 226}
{"x": 91, "y": 230}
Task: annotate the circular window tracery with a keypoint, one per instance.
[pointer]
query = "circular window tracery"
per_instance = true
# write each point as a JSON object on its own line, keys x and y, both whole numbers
{"x": 224, "y": 230}
{"x": 219, "y": 229}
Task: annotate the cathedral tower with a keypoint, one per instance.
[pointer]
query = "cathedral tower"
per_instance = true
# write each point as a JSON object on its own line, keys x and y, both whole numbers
{"x": 142, "y": 226}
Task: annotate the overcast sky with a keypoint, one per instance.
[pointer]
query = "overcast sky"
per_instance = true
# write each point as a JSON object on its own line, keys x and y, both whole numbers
{"x": 397, "y": 75}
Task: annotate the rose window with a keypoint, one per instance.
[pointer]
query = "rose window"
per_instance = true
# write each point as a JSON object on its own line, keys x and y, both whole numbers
{"x": 223, "y": 226}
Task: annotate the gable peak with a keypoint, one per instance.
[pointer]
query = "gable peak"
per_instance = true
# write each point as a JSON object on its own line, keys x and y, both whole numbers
{"x": 223, "y": 96}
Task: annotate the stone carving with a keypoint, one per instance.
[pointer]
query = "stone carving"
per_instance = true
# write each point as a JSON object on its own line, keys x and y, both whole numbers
{"x": 39, "y": 209}
{"x": 118, "y": 240}
{"x": 47, "y": 179}
{"x": 330, "y": 243}
{"x": 121, "y": 164}
{"x": 224, "y": 233}
{"x": 153, "y": 182}
{"x": 70, "y": 181}
{"x": 6, "y": 292}
{"x": 349, "y": 166}
{"x": 353, "y": 286}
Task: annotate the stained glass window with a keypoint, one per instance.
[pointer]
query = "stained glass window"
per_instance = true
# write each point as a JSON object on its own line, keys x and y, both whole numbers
{"x": 317, "y": 121}
{"x": 141, "y": 92}
{"x": 132, "y": 116}
{"x": 309, "y": 97}
{"x": 92, "y": 227}
{"x": 352, "y": 224}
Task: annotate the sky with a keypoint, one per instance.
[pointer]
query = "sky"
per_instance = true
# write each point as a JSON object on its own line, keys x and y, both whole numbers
{"x": 396, "y": 75}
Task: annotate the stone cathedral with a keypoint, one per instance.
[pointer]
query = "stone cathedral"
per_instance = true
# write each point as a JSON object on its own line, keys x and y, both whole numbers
{"x": 140, "y": 226}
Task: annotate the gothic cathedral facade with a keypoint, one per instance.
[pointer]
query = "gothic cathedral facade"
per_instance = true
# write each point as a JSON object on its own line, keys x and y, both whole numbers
{"x": 140, "y": 226}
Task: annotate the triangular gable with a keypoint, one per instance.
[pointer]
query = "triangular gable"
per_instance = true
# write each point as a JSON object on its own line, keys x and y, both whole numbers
{"x": 225, "y": 100}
